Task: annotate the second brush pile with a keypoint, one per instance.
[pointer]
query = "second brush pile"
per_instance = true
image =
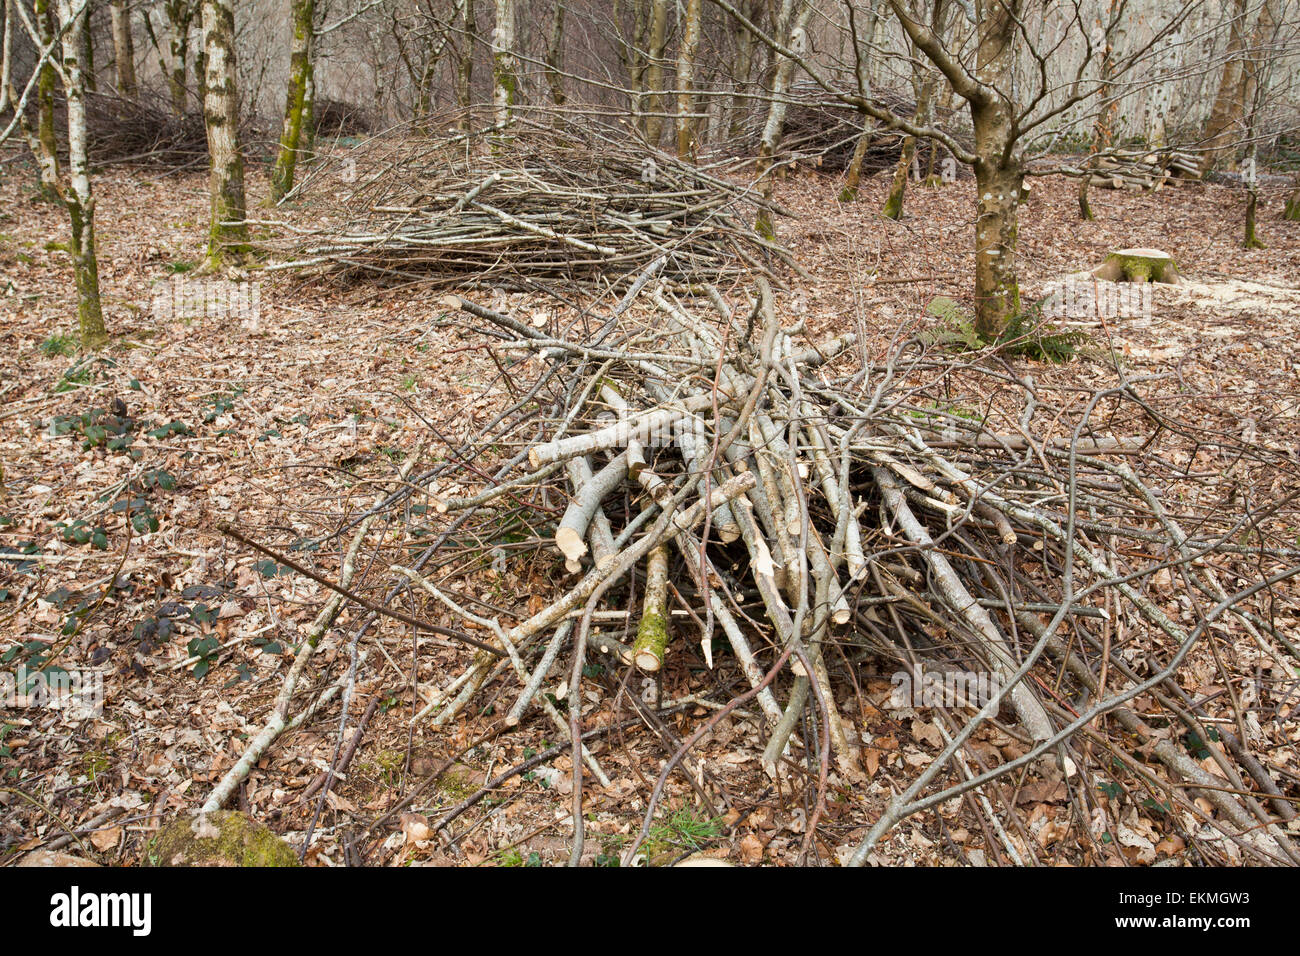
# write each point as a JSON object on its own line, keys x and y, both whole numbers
{"x": 537, "y": 201}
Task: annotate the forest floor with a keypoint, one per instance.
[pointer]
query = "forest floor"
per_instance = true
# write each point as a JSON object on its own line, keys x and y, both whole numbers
{"x": 288, "y": 422}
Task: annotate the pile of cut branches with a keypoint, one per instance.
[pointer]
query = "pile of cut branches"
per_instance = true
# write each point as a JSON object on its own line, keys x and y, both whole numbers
{"x": 539, "y": 200}
{"x": 698, "y": 472}
{"x": 824, "y": 132}
{"x": 144, "y": 131}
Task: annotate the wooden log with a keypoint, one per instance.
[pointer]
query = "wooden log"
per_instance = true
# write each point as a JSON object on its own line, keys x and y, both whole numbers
{"x": 652, "y": 630}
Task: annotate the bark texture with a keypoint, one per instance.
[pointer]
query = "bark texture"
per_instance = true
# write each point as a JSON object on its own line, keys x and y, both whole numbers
{"x": 228, "y": 232}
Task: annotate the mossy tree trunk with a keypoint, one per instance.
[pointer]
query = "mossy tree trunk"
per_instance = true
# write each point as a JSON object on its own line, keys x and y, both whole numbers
{"x": 228, "y": 231}
{"x": 997, "y": 157}
{"x": 1292, "y": 210}
{"x": 686, "y": 51}
{"x": 853, "y": 176}
{"x": 45, "y": 146}
{"x": 893, "y": 208}
{"x": 862, "y": 66}
{"x": 999, "y": 174}
{"x": 301, "y": 69}
{"x": 1085, "y": 207}
{"x": 505, "y": 65}
{"x": 793, "y": 24}
{"x": 923, "y": 90}
{"x": 77, "y": 196}
{"x": 123, "y": 48}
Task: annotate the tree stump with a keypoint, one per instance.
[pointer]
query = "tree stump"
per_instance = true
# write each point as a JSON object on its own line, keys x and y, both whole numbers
{"x": 1138, "y": 265}
{"x": 221, "y": 838}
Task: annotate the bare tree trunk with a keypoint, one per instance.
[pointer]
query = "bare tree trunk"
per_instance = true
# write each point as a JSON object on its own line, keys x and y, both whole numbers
{"x": 686, "y": 79}
{"x": 1226, "y": 115}
{"x": 1103, "y": 128}
{"x": 1085, "y": 207}
{"x": 654, "y": 121}
{"x": 795, "y": 41}
{"x": 505, "y": 66}
{"x": 862, "y": 66}
{"x": 465, "y": 66}
{"x": 77, "y": 197}
{"x": 740, "y": 109}
{"x": 1251, "y": 239}
{"x": 1254, "y": 91}
{"x": 228, "y": 232}
{"x": 555, "y": 54}
{"x": 88, "y": 50}
{"x": 300, "y": 72}
{"x": 999, "y": 176}
{"x": 123, "y": 48}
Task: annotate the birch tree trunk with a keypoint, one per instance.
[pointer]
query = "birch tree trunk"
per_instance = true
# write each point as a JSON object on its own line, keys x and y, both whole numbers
{"x": 686, "y": 51}
{"x": 6, "y": 54}
{"x": 301, "y": 69}
{"x": 123, "y": 48}
{"x": 180, "y": 15}
{"x": 77, "y": 197}
{"x": 505, "y": 66}
{"x": 1161, "y": 97}
{"x": 795, "y": 41}
{"x": 228, "y": 232}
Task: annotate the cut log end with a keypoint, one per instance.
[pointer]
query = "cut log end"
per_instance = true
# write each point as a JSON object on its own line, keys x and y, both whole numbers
{"x": 571, "y": 544}
{"x": 646, "y": 661}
